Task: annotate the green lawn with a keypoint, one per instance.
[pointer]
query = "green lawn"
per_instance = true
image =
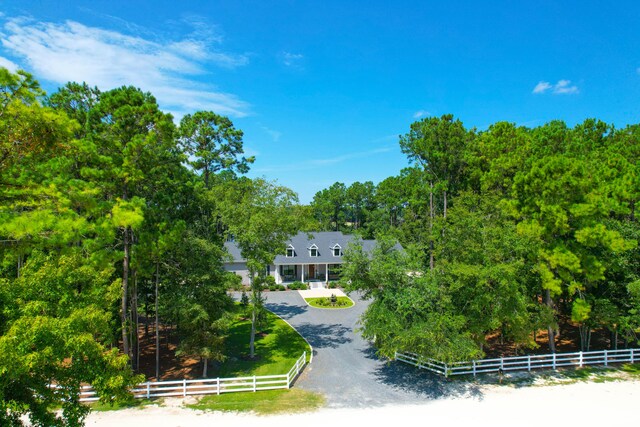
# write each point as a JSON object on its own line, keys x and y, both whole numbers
{"x": 263, "y": 402}
{"x": 277, "y": 348}
{"x": 343, "y": 302}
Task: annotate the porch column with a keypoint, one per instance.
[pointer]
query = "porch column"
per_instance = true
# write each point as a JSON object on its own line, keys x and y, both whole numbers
{"x": 326, "y": 273}
{"x": 302, "y": 272}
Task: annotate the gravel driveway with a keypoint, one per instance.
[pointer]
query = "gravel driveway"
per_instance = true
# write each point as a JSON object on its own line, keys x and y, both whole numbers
{"x": 345, "y": 368}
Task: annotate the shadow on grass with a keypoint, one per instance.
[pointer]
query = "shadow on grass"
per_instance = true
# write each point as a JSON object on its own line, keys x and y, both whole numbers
{"x": 424, "y": 384}
{"x": 325, "y": 335}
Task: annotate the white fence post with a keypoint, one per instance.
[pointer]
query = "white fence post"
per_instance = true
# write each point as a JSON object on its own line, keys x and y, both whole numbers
{"x": 502, "y": 364}
{"x": 581, "y": 359}
{"x": 474, "y": 369}
{"x": 606, "y": 362}
{"x": 218, "y": 385}
{"x": 254, "y": 383}
{"x": 554, "y": 361}
{"x": 148, "y": 390}
{"x": 529, "y": 362}
{"x": 184, "y": 387}
{"x": 631, "y": 355}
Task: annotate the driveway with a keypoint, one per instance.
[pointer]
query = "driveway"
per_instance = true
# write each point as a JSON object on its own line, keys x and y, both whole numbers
{"x": 345, "y": 367}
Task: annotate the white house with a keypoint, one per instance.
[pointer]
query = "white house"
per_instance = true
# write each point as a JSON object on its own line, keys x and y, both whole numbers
{"x": 314, "y": 260}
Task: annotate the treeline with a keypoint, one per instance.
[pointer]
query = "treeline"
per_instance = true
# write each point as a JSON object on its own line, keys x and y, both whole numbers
{"x": 509, "y": 231}
{"x": 110, "y": 214}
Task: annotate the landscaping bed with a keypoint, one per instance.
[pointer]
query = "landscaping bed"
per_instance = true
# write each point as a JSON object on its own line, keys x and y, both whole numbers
{"x": 332, "y": 302}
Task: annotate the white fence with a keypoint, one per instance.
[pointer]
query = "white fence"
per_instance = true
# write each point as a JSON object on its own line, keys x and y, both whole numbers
{"x": 184, "y": 388}
{"x": 523, "y": 363}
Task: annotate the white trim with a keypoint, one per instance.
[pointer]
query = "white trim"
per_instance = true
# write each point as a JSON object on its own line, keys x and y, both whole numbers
{"x": 333, "y": 250}
{"x": 311, "y": 248}
{"x": 293, "y": 251}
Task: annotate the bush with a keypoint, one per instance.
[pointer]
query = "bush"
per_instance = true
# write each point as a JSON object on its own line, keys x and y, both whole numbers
{"x": 244, "y": 299}
{"x": 273, "y": 288}
{"x": 280, "y": 287}
{"x": 333, "y": 285}
{"x": 269, "y": 281}
{"x": 297, "y": 286}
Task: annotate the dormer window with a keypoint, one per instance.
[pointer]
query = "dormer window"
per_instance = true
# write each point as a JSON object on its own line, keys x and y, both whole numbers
{"x": 337, "y": 250}
{"x": 290, "y": 251}
{"x": 313, "y": 250}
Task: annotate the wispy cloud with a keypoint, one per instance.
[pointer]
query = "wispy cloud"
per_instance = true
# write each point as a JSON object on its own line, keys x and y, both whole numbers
{"x": 292, "y": 59}
{"x": 319, "y": 163}
{"x": 274, "y": 134}
{"x": 542, "y": 87}
{"x": 70, "y": 51}
{"x": 11, "y": 66}
{"x": 421, "y": 113}
{"x": 562, "y": 87}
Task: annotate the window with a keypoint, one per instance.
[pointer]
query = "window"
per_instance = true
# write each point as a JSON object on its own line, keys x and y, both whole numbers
{"x": 288, "y": 272}
{"x": 337, "y": 250}
{"x": 290, "y": 251}
{"x": 313, "y": 250}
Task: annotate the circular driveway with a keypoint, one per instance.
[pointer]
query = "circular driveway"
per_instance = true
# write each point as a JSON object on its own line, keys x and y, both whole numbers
{"x": 345, "y": 367}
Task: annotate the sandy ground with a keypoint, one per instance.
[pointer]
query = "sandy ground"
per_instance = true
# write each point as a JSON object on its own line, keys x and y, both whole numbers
{"x": 584, "y": 404}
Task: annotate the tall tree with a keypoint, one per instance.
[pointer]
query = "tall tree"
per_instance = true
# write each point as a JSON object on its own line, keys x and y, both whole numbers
{"x": 259, "y": 217}
{"x": 214, "y": 144}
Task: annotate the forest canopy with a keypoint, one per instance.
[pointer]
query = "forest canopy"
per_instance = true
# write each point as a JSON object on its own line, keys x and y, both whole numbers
{"x": 507, "y": 231}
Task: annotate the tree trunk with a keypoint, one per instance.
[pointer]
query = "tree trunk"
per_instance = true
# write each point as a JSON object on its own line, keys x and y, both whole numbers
{"x": 136, "y": 319}
{"x": 125, "y": 291}
{"x": 253, "y": 333}
{"x": 19, "y": 265}
{"x": 431, "y": 226}
{"x": 551, "y": 332}
{"x": 204, "y": 369}
{"x": 445, "y": 204}
{"x": 157, "y": 328}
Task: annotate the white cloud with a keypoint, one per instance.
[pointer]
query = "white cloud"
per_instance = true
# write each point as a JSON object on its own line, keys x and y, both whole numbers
{"x": 274, "y": 134}
{"x": 72, "y": 51}
{"x": 291, "y": 59}
{"x": 565, "y": 87}
{"x": 562, "y": 87}
{"x": 542, "y": 87}
{"x": 9, "y": 65}
{"x": 421, "y": 113}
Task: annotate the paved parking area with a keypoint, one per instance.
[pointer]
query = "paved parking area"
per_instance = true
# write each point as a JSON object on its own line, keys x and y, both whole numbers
{"x": 345, "y": 367}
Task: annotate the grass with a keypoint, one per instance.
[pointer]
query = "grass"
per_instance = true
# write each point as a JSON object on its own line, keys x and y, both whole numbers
{"x": 278, "y": 346}
{"x": 133, "y": 403}
{"x": 263, "y": 403}
{"x": 316, "y": 302}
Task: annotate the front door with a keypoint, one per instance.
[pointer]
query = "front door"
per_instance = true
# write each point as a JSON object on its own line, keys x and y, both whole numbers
{"x": 312, "y": 271}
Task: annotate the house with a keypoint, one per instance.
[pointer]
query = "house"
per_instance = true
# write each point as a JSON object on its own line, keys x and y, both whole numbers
{"x": 313, "y": 258}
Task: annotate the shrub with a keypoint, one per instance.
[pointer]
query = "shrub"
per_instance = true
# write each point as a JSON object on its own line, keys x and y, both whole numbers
{"x": 244, "y": 299}
{"x": 297, "y": 286}
{"x": 269, "y": 281}
{"x": 280, "y": 287}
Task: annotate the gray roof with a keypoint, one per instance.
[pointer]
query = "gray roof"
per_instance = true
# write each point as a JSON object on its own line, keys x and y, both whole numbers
{"x": 325, "y": 241}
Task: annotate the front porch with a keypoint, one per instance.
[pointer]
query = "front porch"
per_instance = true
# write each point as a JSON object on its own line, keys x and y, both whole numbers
{"x": 316, "y": 275}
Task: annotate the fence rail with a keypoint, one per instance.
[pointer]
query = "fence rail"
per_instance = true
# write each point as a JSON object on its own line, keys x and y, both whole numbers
{"x": 184, "y": 388}
{"x": 523, "y": 363}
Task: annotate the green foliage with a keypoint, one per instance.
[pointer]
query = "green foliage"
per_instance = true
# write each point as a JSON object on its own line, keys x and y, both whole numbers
{"x": 330, "y": 302}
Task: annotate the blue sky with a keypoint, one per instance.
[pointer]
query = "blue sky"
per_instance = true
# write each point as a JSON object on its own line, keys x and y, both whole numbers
{"x": 322, "y": 89}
